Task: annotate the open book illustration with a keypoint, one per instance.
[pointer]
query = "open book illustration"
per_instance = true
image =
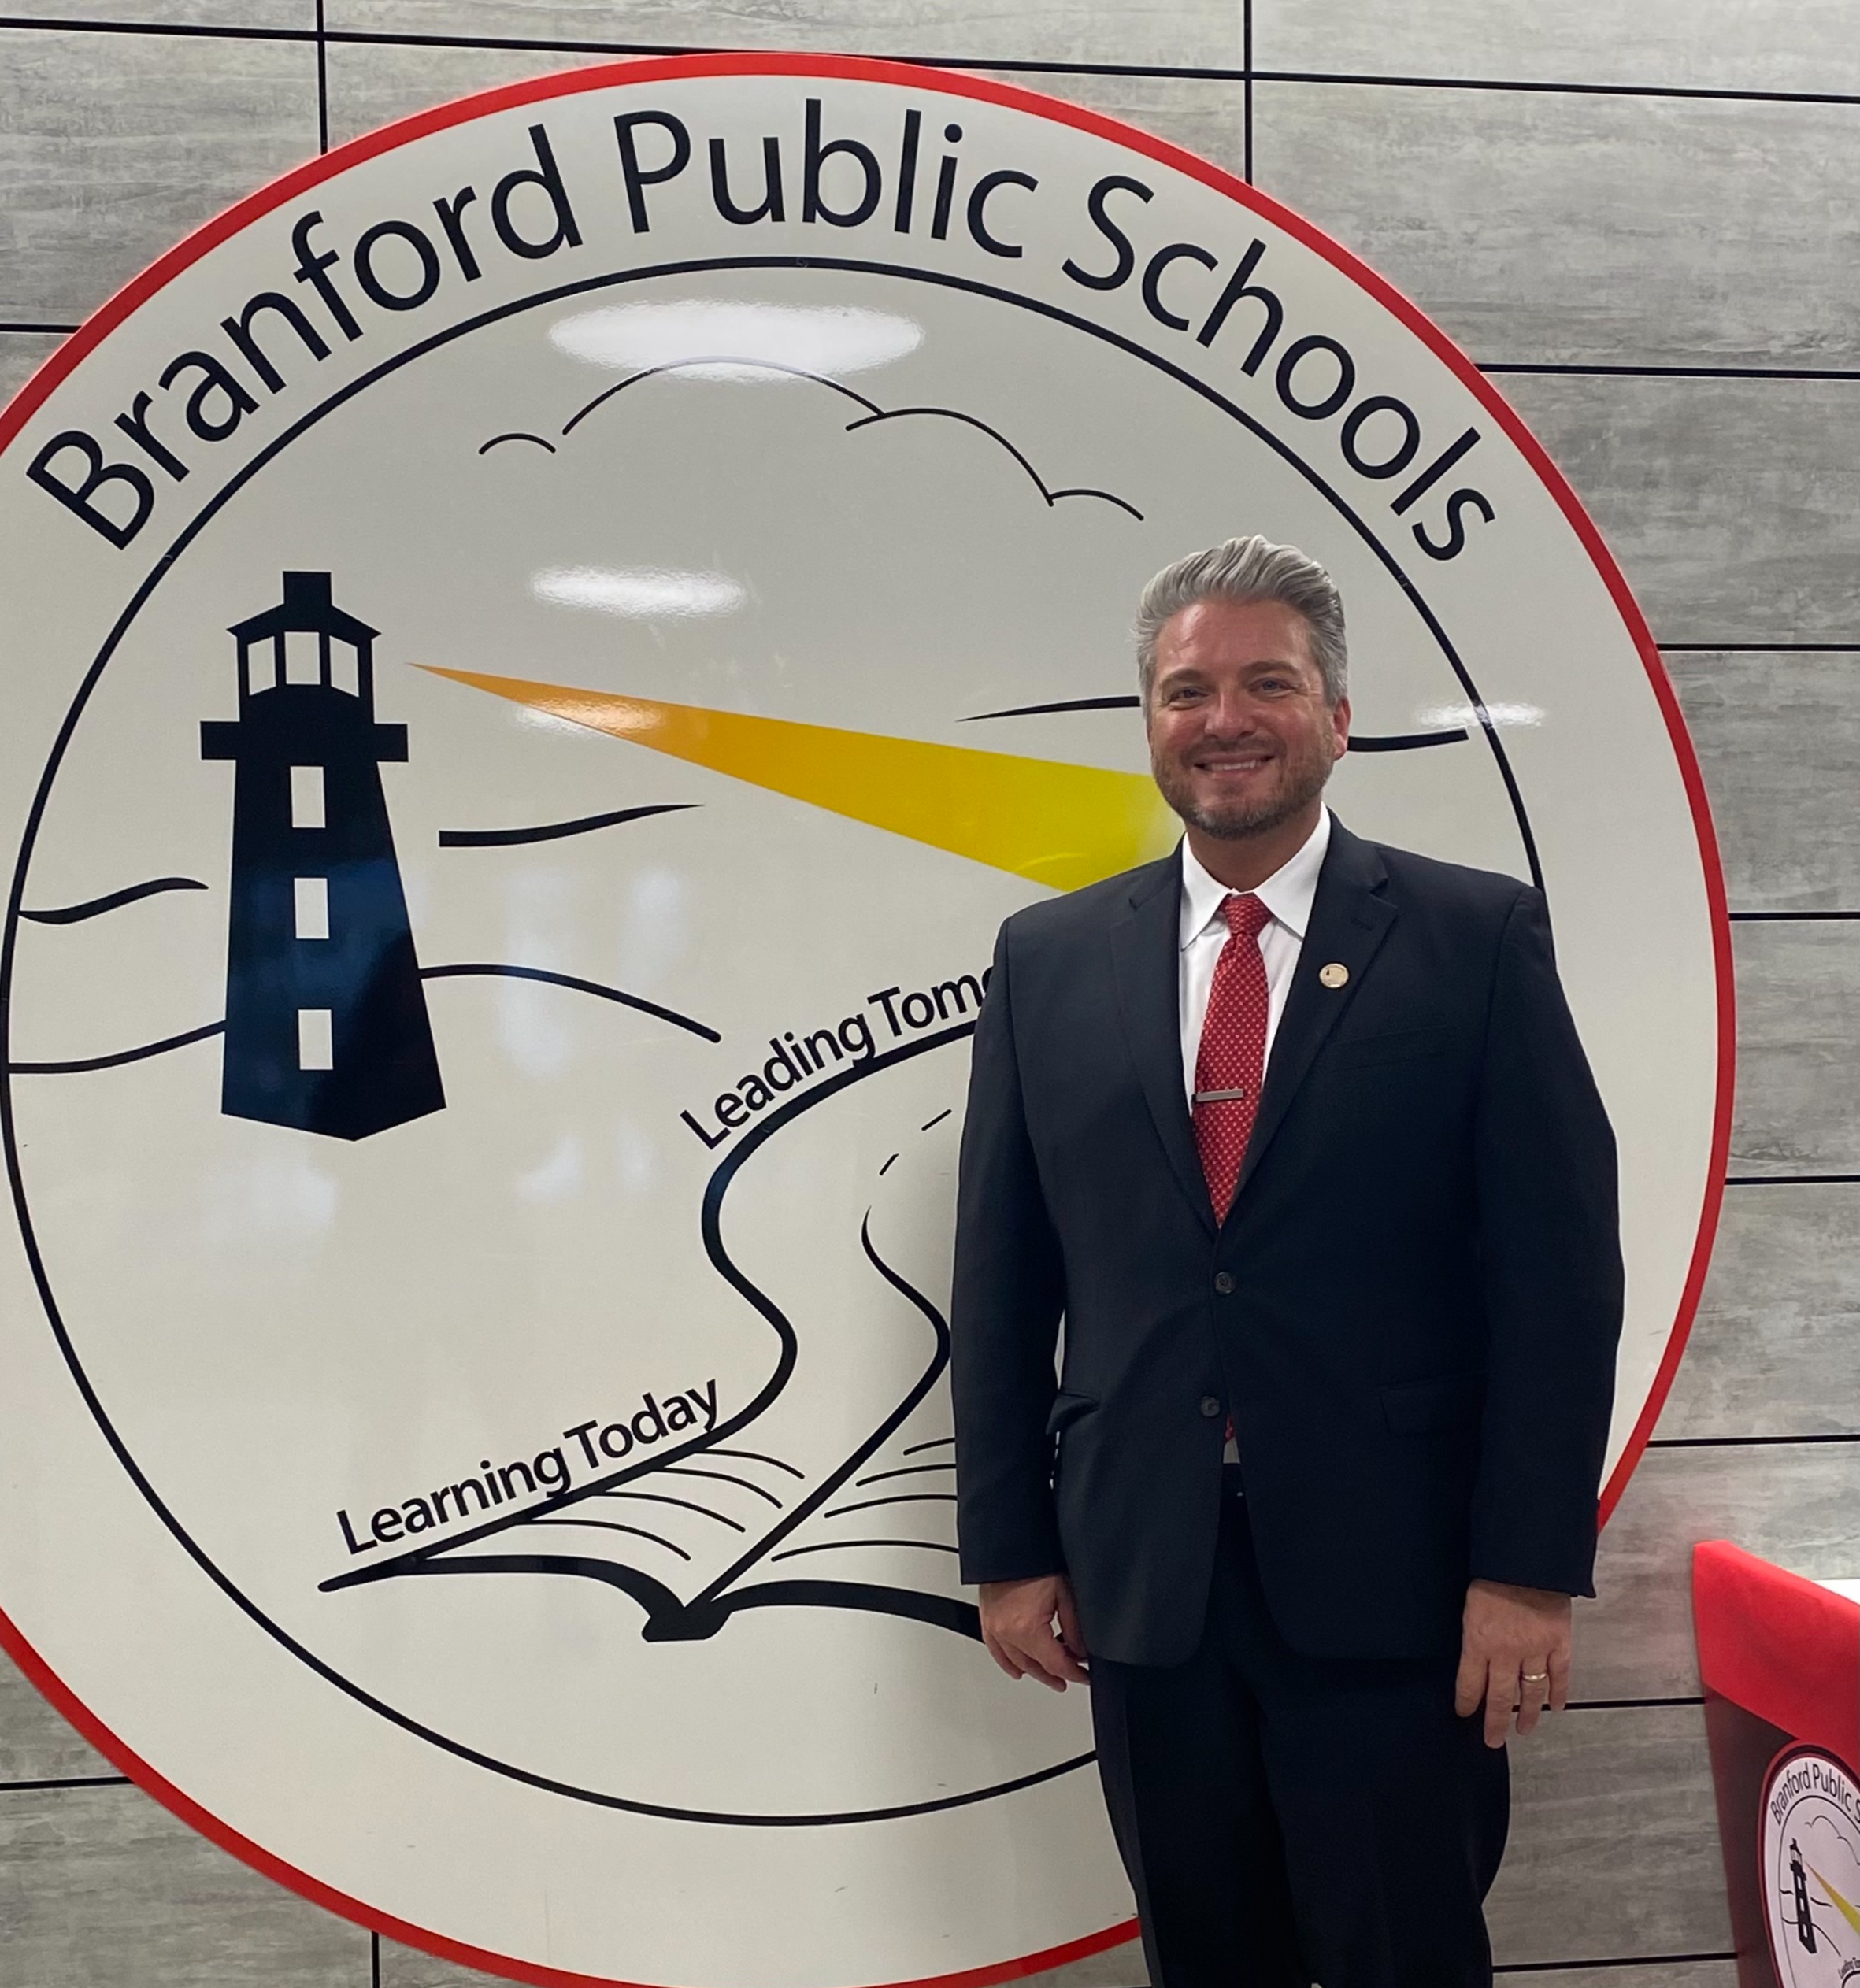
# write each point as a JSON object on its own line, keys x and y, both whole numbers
{"x": 833, "y": 1484}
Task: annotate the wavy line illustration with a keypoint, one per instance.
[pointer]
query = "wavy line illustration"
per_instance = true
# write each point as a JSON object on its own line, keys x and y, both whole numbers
{"x": 721, "y": 1477}
{"x": 847, "y": 1546}
{"x": 1360, "y": 742}
{"x": 1406, "y": 742}
{"x": 661, "y": 1497}
{"x": 756, "y": 1456}
{"x": 896, "y": 1498}
{"x": 95, "y": 907}
{"x": 110, "y": 1062}
{"x": 1065, "y": 704}
{"x": 550, "y": 831}
{"x": 613, "y": 1525}
{"x": 910, "y": 1470}
{"x": 75, "y": 1066}
{"x": 493, "y": 969}
{"x": 873, "y": 413}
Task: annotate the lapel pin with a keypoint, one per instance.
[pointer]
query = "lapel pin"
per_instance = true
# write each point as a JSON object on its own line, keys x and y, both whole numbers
{"x": 1334, "y": 974}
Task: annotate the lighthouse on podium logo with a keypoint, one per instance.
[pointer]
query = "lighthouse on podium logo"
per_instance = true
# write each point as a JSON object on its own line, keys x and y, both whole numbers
{"x": 326, "y": 1021}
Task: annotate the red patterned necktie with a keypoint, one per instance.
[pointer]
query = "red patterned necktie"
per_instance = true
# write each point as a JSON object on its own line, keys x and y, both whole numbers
{"x": 1231, "y": 1062}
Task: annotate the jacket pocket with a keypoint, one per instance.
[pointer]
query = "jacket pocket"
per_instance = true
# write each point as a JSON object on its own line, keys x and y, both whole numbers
{"x": 1067, "y": 1408}
{"x": 1417, "y": 1407}
{"x": 1393, "y": 1045}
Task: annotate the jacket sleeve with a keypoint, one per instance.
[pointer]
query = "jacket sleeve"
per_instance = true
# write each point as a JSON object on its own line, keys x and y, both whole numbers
{"x": 1549, "y": 1231}
{"x": 1004, "y": 1316}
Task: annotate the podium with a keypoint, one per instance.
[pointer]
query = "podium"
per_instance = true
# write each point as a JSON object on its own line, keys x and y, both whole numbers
{"x": 1779, "y": 1656}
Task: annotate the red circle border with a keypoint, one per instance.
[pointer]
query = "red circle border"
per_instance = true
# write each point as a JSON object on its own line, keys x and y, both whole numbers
{"x": 1009, "y": 96}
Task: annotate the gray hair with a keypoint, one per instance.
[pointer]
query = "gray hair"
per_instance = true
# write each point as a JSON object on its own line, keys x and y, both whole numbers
{"x": 1244, "y": 570}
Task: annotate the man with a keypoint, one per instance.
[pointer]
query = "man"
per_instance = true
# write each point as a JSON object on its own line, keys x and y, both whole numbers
{"x": 1338, "y": 1346}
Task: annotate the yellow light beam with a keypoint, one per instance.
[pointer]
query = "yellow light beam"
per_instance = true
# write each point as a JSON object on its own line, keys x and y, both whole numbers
{"x": 1846, "y": 1907}
{"x": 1060, "y": 825}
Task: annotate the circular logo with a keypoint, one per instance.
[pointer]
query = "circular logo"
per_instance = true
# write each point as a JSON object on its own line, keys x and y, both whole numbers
{"x": 1810, "y": 1868}
{"x": 541, "y": 649}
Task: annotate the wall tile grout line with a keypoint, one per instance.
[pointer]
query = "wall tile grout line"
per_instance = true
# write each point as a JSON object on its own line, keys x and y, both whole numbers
{"x": 1792, "y": 1180}
{"x": 1628, "y": 1705}
{"x": 1246, "y": 89}
{"x": 1747, "y": 1442}
{"x": 1628, "y": 1960}
{"x": 322, "y": 80}
{"x": 1547, "y": 87}
{"x": 374, "y": 1960}
{"x": 1585, "y": 369}
{"x": 63, "y": 1783}
{"x": 184, "y": 29}
{"x": 1789, "y": 917}
{"x": 1759, "y": 648}
{"x": 1244, "y": 76}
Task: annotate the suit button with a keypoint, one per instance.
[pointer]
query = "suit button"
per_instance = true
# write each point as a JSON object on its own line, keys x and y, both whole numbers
{"x": 1210, "y": 1406}
{"x": 1224, "y": 1282}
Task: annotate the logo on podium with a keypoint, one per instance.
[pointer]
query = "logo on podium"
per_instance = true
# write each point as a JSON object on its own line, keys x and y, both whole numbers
{"x": 1809, "y": 1831}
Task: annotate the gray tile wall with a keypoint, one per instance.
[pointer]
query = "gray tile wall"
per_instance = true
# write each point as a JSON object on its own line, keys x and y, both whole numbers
{"x": 1668, "y": 285}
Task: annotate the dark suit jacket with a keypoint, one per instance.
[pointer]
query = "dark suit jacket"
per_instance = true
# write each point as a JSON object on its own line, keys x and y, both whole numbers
{"x": 1410, "y": 1311}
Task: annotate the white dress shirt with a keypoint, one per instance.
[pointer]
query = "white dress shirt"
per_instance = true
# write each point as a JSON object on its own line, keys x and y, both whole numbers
{"x": 1288, "y": 894}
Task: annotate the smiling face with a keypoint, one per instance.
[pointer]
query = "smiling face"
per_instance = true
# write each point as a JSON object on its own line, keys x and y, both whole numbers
{"x": 1241, "y": 739}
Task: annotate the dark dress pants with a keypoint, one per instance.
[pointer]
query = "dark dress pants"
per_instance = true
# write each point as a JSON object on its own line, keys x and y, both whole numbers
{"x": 1287, "y": 1820}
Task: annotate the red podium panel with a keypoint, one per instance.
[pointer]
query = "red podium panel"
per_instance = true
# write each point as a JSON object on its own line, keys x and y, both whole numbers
{"x": 1779, "y": 1656}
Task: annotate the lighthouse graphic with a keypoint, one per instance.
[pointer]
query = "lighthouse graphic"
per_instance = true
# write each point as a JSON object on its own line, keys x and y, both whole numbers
{"x": 326, "y": 1021}
{"x": 1805, "y": 1924}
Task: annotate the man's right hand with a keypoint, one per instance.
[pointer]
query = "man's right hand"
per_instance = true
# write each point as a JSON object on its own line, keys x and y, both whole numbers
{"x": 1032, "y": 1630}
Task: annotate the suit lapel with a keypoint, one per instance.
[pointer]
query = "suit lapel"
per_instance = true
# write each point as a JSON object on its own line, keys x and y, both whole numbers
{"x": 1145, "y": 949}
{"x": 1349, "y": 919}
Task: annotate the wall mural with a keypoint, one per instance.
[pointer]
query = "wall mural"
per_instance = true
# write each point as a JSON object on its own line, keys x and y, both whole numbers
{"x": 540, "y": 649}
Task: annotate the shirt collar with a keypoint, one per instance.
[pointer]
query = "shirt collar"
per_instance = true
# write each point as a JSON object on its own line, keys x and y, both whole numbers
{"x": 1288, "y": 894}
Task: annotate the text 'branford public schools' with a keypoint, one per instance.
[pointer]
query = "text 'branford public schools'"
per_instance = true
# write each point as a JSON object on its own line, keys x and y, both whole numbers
{"x": 252, "y": 370}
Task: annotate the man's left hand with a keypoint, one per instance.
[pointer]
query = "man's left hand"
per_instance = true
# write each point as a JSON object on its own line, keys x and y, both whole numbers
{"x": 1515, "y": 1655}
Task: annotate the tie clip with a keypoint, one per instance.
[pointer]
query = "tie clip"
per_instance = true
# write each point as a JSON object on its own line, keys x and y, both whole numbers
{"x": 1218, "y": 1096}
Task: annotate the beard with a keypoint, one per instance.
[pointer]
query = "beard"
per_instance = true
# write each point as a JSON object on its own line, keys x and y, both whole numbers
{"x": 1305, "y": 772}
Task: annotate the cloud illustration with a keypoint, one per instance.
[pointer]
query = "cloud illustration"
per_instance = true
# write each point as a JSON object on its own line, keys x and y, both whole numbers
{"x": 735, "y": 366}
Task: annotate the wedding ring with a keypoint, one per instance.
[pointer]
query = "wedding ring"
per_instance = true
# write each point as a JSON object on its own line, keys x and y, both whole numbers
{"x": 1534, "y": 1677}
